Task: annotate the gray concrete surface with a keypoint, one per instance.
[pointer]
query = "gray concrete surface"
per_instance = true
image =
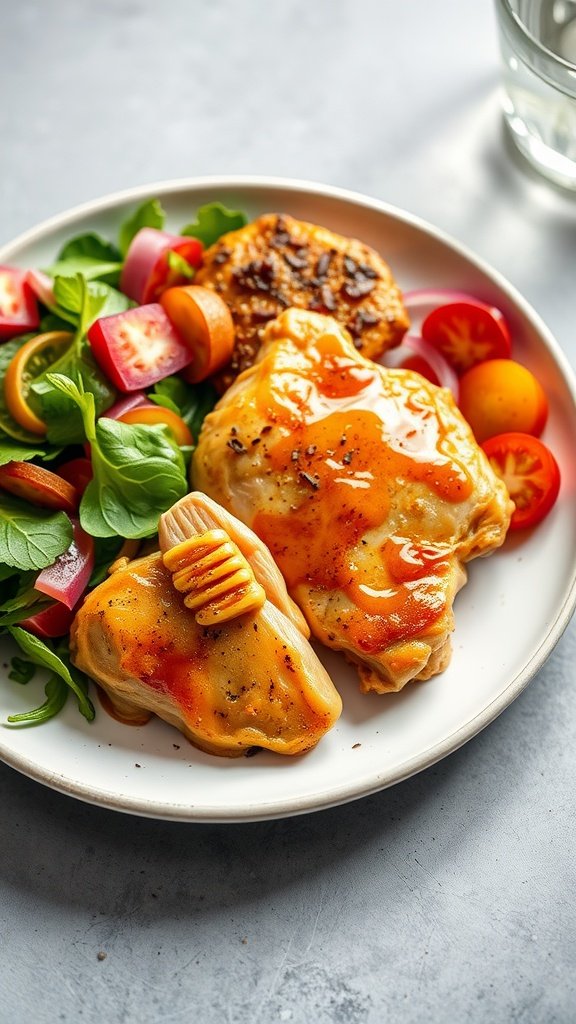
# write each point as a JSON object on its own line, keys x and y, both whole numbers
{"x": 449, "y": 898}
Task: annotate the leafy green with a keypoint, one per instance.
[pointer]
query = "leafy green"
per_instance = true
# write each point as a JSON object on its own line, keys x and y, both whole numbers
{"x": 21, "y": 671}
{"x": 24, "y": 602}
{"x": 191, "y": 401}
{"x": 179, "y": 265}
{"x": 56, "y": 692}
{"x": 138, "y": 470}
{"x": 148, "y": 215}
{"x": 7, "y": 572}
{"x": 10, "y": 450}
{"x": 90, "y": 256}
{"x": 212, "y": 221}
{"x": 105, "y": 552}
{"x": 87, "y": 300}
{"x": 57, "y": 660}
{"x": 31, "y": 537}
{"x": 92, "y": 246}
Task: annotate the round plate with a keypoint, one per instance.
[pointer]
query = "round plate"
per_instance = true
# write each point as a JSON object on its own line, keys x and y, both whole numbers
{"x": 508, "y": 617}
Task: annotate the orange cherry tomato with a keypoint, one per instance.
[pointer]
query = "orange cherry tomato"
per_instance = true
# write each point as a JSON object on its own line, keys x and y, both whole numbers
{"x": 38, "y": 486}
{"x": 151, "y": 414}
{"x": 500, "y": 396}
{"x": 530, "y": 472}
{"x": 205, "y": 323}
{"x": 20, "y": 373}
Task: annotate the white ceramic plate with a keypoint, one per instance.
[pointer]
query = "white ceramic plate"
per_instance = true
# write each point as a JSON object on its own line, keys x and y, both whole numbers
{"x": 508, "y": 617}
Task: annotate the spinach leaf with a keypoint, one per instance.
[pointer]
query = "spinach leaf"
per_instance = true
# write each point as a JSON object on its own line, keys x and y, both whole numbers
{"x": 56, "y": 692}
{"x": 90, "y": 245}
{"x": 10, "y": 450}
{"x": 24, "y": 602}
{"x": 139, "y": 471}
{"x": 212, "y": 221}
{"x": 87, "y": 300}
{"x": 21, "y": 671}
{"x": 191, "y": 401}
{"x": 30, "y": 537}
{"x": 57, "y": 659}
{"x": 148, "y": 215}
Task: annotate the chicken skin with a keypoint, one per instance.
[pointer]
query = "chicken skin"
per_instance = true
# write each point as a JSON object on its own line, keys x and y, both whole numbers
{"x": 277, "y": 261}
{"x": 366, "y": 484}
{"x": 205, "y": 636}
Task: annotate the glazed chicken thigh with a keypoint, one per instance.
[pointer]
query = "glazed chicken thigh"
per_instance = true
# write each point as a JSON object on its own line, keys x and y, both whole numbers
{"x": 205, "y": 636}
{"x": 366, "y": 484}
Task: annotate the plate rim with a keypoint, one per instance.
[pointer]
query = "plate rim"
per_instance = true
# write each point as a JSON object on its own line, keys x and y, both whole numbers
{"x": 372, "y": 783}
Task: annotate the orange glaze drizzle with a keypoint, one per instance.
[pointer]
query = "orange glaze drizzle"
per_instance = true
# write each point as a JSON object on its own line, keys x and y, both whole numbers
{"x": 349, "y": 432}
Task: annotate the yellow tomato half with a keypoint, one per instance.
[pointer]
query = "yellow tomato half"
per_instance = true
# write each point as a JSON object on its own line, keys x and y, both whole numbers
{"x": 151, "y": 414}
{"x": 500, "y": 396}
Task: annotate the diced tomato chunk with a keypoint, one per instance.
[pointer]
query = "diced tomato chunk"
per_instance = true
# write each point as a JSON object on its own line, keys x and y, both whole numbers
{"x": 138, "y": 347}
{"x": 18, "y": 306}
{"x": 147, "y": 271}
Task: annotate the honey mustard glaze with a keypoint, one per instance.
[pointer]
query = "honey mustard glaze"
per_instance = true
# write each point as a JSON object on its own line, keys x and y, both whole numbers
{"x": 350, "y": 439}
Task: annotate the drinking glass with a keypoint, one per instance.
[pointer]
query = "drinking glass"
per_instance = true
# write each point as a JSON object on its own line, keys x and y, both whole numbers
{"x": 538, "y": 44}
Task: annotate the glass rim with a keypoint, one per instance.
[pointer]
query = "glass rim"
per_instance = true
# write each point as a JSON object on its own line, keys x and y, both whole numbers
{"x": 516, "y": 22}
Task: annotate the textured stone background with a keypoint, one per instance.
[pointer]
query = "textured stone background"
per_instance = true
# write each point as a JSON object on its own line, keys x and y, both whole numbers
{"x": 451, "y": 897}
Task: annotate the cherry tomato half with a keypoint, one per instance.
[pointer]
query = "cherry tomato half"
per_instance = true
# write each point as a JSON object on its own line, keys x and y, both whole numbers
{"x": 38, "y": 486}
{"x": 152, "y": 414}
{"x": 530, "y": 472}
{"x": 77, "y": 472}
{"x": 138, "y": 347}
{"x": 467, "y": 333}
{"x": 205, "y": 323}
{"x": 18, "y": 308}
{"x": 147, "y": 271}
{"x": 500, "y": 395}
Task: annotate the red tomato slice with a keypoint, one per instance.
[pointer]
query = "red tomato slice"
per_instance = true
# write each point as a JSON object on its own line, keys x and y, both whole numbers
{"x": 147, "y": 271}
{"x": 77, "y": 472}
{"x": 18, "y": 307}
{"x": 138, "y": 347}
{"x": 530, "y": 473}
{"x": 467, "y": 333}
{"x": 38, "y": 486}
{"x": 55, "y": 620}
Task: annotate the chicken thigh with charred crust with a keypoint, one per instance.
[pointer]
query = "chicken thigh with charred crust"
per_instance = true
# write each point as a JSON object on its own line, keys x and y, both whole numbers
{"x": 277, "y": 261}
{"x": 205, "y": 636}
{"x": 366, "y": 484}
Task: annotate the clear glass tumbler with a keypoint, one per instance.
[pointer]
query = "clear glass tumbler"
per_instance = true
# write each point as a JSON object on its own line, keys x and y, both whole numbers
{"x": 538, "y": 43}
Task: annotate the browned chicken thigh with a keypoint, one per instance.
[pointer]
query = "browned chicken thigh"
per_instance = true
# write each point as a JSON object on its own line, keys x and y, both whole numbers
{"x": 278, "y": 261}
{"x": 205, "y": 636}
{"x": 366, "y": 484}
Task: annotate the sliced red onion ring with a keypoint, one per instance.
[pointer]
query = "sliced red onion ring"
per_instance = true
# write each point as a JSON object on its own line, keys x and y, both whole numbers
{"x": 41, "y": 285}
{"x": 67, "y": 579}
{"x": 416, "y": 354}
{"x": 421, "y": 301}
{"x": 124, "y": 404}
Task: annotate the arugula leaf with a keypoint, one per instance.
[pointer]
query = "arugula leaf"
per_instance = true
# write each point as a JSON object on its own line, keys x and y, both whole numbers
{"x": 21, "y": 671}
{"x": 88, "y": 300}
{"x": 58, "y": 661}
{"x": 191, "y": 401}
{"x": 148, "y": 215}
{"x": 179, "y": 265}
{"x": 56, "y": 692}
{"x": 139, "y": 471}
{"x": 212, "y": 221}
{"x": 30, "y": 537}
{"x": 24, "y": 602}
